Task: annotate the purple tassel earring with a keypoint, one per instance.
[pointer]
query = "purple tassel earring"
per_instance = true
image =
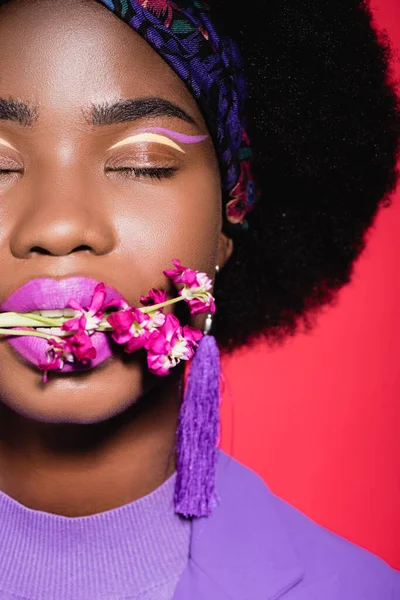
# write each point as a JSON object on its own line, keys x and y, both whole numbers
{"x": 198, "y": 430}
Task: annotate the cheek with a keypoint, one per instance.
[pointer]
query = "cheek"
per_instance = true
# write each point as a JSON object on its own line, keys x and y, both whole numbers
{"x": 177, "y": 218}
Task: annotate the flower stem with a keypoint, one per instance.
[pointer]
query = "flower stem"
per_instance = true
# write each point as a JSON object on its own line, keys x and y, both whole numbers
{"x": 49, "y": 321}
{"x": 149, "y": 309}
{"x": 17, "y": 320}
{"x": 13, "y": 319}
{"x": 24, "y": 332}
{"x": 104, "y": 326}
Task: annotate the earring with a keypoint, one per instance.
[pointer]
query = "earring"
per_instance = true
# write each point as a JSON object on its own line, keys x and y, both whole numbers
{"x": 208, "y": 324}
{"x": 209, "y": 319}
{"x": 198, "y": 431}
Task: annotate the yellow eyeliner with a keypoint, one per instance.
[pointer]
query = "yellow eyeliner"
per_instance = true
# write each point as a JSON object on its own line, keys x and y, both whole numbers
{"x": 148, "y": 137}
{"x": 4, "y": 143}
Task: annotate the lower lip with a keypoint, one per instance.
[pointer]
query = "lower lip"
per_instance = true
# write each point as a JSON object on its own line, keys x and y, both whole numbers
{"x": 33, "y": 349}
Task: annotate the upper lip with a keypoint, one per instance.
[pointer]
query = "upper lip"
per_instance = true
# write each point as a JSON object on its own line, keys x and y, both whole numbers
{"x": 47, "y": 293}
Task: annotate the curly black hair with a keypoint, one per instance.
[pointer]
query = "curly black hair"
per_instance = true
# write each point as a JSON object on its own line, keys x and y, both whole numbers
{"x": 325, "y": 125}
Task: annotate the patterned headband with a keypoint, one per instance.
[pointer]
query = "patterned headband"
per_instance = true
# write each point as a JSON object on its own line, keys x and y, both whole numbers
{"x": 211, "y": 65}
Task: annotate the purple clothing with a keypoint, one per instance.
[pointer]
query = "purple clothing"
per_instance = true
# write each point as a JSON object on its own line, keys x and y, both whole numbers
{"x": 254, "y": 547}
{"x": 137, "y": 551}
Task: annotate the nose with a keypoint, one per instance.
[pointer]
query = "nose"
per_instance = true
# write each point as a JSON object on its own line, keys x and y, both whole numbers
{"x": 59, "y": 220}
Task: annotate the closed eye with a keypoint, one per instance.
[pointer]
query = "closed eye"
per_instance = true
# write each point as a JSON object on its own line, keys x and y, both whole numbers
{"x": 154, "y": 172}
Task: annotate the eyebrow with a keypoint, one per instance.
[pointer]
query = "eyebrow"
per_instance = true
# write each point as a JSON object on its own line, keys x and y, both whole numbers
{"x": 125, "y": 111}
{"x": 17, "y": 111}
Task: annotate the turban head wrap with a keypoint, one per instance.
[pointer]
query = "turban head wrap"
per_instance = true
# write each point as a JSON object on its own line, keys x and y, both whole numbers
{"x": 210, "y": 64}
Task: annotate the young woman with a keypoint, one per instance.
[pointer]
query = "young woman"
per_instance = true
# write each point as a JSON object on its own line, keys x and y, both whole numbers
{"x": 128, "y": 140}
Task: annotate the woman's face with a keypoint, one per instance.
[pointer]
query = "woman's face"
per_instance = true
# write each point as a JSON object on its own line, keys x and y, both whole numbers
{"x": 70, "y": 206}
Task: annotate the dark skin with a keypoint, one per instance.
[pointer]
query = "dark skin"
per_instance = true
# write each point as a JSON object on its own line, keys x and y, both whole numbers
{"x": 85, "y": 443}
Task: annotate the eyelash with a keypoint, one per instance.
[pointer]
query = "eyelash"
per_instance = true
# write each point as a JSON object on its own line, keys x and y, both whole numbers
{"x": 154, "y": 173}
{"x": 10, "y": 175}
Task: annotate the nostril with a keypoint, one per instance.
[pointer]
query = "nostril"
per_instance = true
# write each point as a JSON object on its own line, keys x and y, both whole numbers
{"x": 41, "y": 250}
{"x": 82, "y": 248}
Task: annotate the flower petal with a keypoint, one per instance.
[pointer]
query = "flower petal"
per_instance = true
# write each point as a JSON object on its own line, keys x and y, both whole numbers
{"x": 99, "y": 296}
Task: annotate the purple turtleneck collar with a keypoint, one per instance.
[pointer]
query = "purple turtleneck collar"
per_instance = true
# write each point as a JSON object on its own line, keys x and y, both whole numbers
{"x": 135, "y": 551}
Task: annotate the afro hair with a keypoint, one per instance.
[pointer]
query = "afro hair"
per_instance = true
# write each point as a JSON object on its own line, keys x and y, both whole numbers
{"x": 325, "y": 126}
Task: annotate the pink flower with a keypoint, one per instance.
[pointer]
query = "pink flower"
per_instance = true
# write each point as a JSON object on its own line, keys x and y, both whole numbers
{"x": 132, "y": 327}
{"x": 198, "y": 296}
{"x": 119, "y": 303}
{"x": 169, "y": 345}
{"x": 192, "y": 335}
{"x": 84, "y": 325}
{"x": 161, "y": 335}
{"x": 157, "y": 319}
{"x": 198, "y": 306}
{"x": 77, "y": 347}
{"x": 155, "y": 297}
{"x": 57, "y": 354}
{"x": 53, "y": 364}
{"x": 75, "y": 324}
{"x": 196, "y": 288}
{"x": 121, "y": 322}
{"x": 90, "y": 317}
{"x": 181, "y": 274}
{"x": 80, "y": 345}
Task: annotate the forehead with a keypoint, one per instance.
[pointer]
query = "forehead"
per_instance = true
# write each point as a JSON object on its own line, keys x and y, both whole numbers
{"x": 74, "y": 53}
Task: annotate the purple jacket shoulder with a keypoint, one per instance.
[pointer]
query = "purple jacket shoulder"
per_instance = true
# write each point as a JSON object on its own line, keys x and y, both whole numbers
{"x": 335, "y": 568}
{"x": 256, "y": 546}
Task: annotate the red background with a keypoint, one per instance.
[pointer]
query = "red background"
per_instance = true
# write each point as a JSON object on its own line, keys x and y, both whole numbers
{"x": 319, "y": 418}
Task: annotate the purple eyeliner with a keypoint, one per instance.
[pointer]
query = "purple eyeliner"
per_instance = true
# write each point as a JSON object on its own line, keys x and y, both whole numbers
{"x": 175, "y": 135}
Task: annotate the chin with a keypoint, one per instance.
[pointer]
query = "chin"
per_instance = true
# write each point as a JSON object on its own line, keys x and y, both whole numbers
{"x": 84, "y": 397}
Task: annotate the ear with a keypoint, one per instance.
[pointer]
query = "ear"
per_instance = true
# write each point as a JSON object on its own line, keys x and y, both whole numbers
{"x": 225, "y": 249}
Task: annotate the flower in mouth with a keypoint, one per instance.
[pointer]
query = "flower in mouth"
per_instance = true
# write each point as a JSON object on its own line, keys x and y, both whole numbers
{"x": 76, "y": 347}
{"x": 91, "y": 317}
{"x": 57, "y": 353}
{"x": 83, "y": 326}
{"x": 81, "y": 347}
{"x": 147, "y": 327}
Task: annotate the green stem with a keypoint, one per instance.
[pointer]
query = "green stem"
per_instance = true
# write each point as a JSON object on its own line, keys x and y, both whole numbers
{"x": 13, "y": 319}
{"x": 149, "y": 309}
{"x": 16, "y": 320}
{"x": 24, "y": 332}
{"x": 104, "y": 327}
{"x": 49, "y": 321}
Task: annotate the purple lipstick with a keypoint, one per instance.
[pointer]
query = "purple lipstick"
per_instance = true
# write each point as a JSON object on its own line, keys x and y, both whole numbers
{"x": 52, "y": 294}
